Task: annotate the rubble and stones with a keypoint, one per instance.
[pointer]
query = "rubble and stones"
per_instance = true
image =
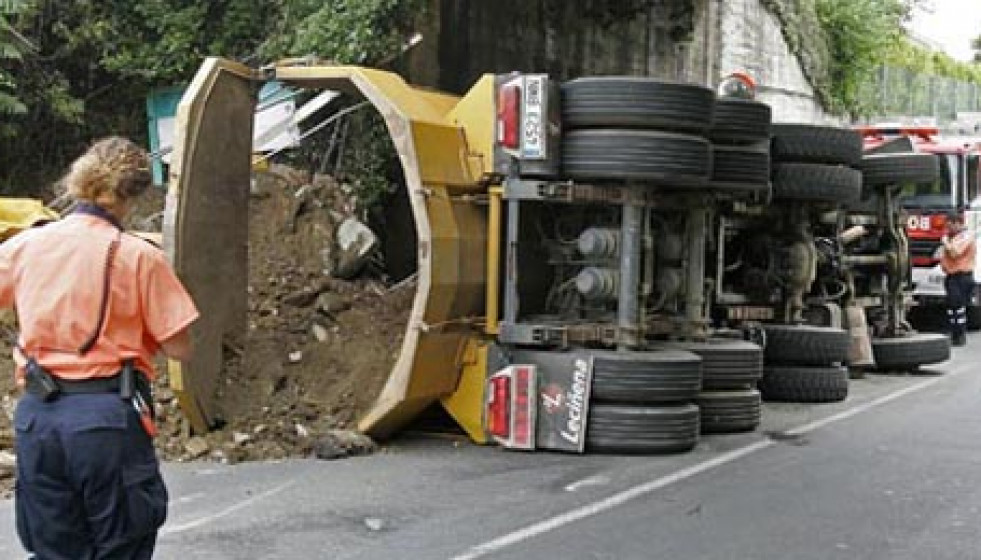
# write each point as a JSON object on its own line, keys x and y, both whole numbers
{"x": 318, "y": 350}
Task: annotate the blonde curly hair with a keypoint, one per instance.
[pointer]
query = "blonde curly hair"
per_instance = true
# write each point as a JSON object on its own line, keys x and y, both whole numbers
{"x": 113, "y": 171}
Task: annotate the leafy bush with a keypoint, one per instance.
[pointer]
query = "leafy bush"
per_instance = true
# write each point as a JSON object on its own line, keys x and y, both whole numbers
{"x": 96, "y": 61}
{"x": 861, "y": 34}
{"x": 10, "y": 52}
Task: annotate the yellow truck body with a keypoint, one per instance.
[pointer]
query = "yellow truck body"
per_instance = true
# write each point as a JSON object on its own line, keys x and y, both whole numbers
{"x": 444, "y": 144}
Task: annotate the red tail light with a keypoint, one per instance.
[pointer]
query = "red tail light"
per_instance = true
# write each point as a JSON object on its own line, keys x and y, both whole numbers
{"x": 512, "y": 406}
{"x": 509, "y": 116}
{"x": 938, "y": 222}
{"x": 523, "y": 407}
{"x": 499, "y": 407}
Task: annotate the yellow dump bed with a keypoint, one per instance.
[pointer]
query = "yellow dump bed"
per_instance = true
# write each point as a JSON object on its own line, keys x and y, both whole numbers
{"x": 443, "y": 144}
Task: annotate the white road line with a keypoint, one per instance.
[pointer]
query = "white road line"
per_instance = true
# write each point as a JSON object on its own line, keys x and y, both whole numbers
{"x": 598, "y": 480}
{"x": 818, "y": 424}
{"x": 168, "y": 530}
{"x": 187, "y": 499}
{"x": 625, "y": 496}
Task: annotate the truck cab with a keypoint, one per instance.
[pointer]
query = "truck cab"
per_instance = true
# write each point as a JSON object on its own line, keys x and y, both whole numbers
{"x": 927, "y": 204}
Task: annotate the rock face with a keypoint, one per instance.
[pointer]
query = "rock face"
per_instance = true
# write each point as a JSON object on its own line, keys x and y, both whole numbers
{"x": 781, "y": 43}
{"x": 564, "y": 39}
{"x": 691, "y": 40}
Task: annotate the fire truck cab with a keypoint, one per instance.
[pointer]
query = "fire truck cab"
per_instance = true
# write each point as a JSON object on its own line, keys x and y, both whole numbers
{"x": 927, "y": 204}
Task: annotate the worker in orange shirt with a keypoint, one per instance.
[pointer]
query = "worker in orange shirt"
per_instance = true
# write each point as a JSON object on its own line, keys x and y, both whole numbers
{"x": 94, "y": 305}
{"x": 957, "y": 262}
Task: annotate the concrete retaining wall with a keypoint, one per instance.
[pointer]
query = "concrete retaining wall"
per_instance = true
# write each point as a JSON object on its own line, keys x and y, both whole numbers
{"x": 692, "y": 40}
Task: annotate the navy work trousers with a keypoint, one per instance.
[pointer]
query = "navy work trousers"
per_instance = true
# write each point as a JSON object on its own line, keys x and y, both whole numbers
{"x": 88, "y": 480}
{"x": 959, "y": 286}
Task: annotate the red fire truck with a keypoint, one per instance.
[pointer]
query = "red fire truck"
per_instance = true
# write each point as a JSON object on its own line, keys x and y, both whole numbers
{"x": 927, "y": 205}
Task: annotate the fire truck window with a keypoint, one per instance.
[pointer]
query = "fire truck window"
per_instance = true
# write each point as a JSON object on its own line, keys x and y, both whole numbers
{"x": 933, "y": 195}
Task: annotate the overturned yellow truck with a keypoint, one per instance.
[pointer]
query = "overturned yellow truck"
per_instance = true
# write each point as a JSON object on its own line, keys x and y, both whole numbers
{"x": 561, "y": 300}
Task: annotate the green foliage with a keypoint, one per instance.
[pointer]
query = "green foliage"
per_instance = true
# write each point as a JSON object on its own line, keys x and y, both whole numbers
{"x": 369, "y": 160}
{"x": 10, "y": 53}
{"x": 861, "y": 34}
{"x": 94, "y": 62}
{"x": 364, "y": 32}
{"x": 163, "y": 41}
{"x": 866, "y": 35}
{"x": 344, "y": 31}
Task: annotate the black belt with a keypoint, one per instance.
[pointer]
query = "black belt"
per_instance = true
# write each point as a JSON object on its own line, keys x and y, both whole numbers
{"x": 92, "y": 385}
{"x": 127, "y": 382}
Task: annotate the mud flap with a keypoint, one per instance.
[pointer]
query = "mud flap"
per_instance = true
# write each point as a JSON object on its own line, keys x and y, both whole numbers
{"x": 564, "y": 383}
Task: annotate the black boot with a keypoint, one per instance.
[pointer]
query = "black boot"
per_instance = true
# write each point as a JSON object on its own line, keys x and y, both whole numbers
{"x": 958, "y": 326}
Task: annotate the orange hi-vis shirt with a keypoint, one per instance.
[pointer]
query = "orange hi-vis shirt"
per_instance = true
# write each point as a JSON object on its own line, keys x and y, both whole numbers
{"x": 54, "y": 277}
{"x": 962, "y": 258}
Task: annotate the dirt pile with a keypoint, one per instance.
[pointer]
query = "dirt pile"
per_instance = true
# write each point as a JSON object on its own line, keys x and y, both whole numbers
{"x": 318, "y": 348}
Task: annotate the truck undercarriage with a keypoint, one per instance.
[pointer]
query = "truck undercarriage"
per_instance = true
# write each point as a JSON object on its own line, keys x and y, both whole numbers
{"x": 602, "y": 265}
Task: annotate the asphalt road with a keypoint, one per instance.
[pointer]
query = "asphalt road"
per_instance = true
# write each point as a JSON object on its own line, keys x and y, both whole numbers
{"x": 892, "y": 473}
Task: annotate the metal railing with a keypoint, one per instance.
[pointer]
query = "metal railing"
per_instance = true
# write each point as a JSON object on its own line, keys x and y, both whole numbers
{"x": 903, "y": 93}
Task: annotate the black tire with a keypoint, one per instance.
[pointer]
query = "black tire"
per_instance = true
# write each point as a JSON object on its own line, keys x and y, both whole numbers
{"x": 740, "y": 165}
{"x": 726, "y": 363}
{"x": 727, "y": 412}
{"x": 659, "y": 157}
{"x": 636, "y": 102}
{"x": 804, "y": 384}
{"x": 868, "y": 204}
{"x": 817, "y": 183}
{"x": 804, "y": 143}
{"x": 645, "y": 377}
{"x": 893, "y": 169}
{"x": 740, "y": 121}
{"x": 617, "y": 428}
{"x": 805, "y": 345}
{"x": 910, "y": 352}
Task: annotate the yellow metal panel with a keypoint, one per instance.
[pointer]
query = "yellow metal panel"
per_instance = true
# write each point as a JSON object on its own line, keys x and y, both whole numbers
{"x": 383, "y": 89}
{"x": 493, "y": 286}
{"x": 458, "y": 247}
{"x": 442, "y": 154}
{"x": 18, "y": 214}
{"x": 476, "y": 114}
{"x": 466, "y": 404}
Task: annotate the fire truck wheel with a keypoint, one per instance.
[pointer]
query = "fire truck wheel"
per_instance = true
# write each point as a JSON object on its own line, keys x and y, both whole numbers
{"x": 740, "y": 121}
{"x": 805, "y": 345}
{"x": 665, "y": 376}
{"x": 803, "y": 143}
{"x": 726, "y": 412}
{"x": 636, "y": 102}
{"x": 818, "y": 183}
{"x": 740, "y": 165}
{"x": 804, "y": 384}
{"x": 617, "y": 428}
{"x": 658, "y": 157}
{"x": 910, "y": 352}
{"x": 726, "y": 363}
{"x": 891, "y": 169}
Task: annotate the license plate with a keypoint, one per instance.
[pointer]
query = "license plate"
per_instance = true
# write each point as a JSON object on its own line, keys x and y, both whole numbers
{"x": 533, "y": 118}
